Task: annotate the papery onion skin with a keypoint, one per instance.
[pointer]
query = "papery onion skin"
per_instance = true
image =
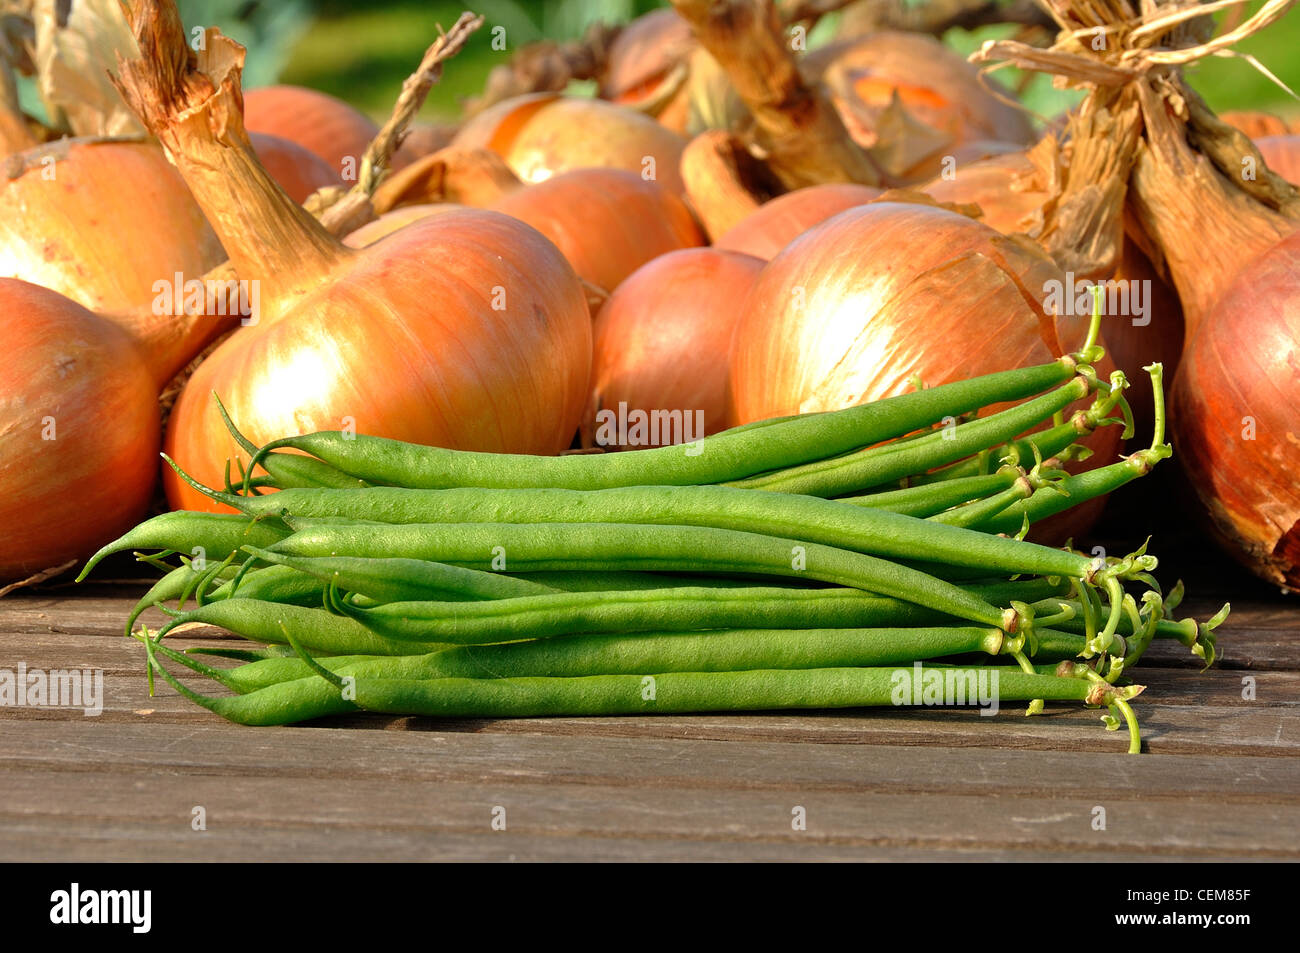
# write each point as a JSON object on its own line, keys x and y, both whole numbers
{"x": 318, "y": 122}
{"x": 1234, "y": 416}
{"x": 541, "y": 135}
{"x": 1282, "y": 155}
{"x": 779, "y": 221}
{"x": 642, "y": 58}
{"x": 607, "y": 222}
{"x": 297, "y": 170}
{"x": 934, "y": 84}
{"x": 662, "y": 339}
{"x": 78, "y": 431}
{"x": 405, "y": 341}
{"x": 1004, "y": 188}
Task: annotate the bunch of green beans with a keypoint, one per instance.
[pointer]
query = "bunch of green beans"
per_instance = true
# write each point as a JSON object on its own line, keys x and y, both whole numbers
{"x": 870, "y": 556}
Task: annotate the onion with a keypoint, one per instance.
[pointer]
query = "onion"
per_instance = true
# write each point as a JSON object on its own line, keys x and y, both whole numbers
{"x": 1234, "y": 421}
{"x": 392, "y": 221}
{"x": 607, "y": 222}
{"x": 856, "y": 307}
{"x": 938, "y": 91}
{"x": 297, "y": 171}
{"x": 661, "y": 345}
{"x": 102, "y": 222}
{"x": 776, "y": 223}
{"x": 1282, "y": 153}
{"x": 79, "y": 433}
{"x": 1008, "y": 189}
{"x": 645, "y": 60}
{"x": 542, "y": 134}
{"x": 466, "y": 329}
{"x": 316, "y": 121}
{"x": 859, "y": 307}
{"x": 1255, "y": 123}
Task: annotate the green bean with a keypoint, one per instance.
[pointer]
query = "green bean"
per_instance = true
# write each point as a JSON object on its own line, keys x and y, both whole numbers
{"x": 609, "y": 581}
{"x": 875, "y": 532}
{"x": 215, "y": 535}
{"x": 317, "y": 629}
{"x": 879, "y": 465}
{"x": 571, "y": 613}
{"x": 171, "y": 587}
{"x": 724, "y": 456}
{"x": 591, "y": 546}
{"x": 724, "y": 650}
{"x": 273, "y": 584}
{"x": 393, "y": 580}
{"x": 923, "y": 501}
{"x": 290, "y": 469}
{"x": 636, "y": 694}
{"x": 567, "y": 614}
{"x": 1099, "y": 482}
{"x": 1041, "y": 477}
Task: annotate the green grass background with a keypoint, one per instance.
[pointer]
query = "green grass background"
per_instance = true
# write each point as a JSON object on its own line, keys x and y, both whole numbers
{"x": 361, "y": 50}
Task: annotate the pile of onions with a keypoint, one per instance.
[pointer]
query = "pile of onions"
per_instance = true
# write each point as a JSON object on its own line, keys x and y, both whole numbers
{"x": 1235, "y": 401}
{"x": 645, "y": 60}
{"x": 660, "y": 345}
{"x": 859, "y": 307}
{"x": 607, "y": 222}
{"x": 542, "y": 134}
{"x": 944, "y": 99}
{"x": 777, "y": 222}
{"x": 466, "y": 330}
{"x": 80, "y": 435}
{"x": 321, "y": 124}
{"x": 102, "y": 222}
{"x": 296, "y": 170}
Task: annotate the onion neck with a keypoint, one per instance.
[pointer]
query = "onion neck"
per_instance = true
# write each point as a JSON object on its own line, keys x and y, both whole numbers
{"x": 192, "y": 104}
{"x": 1205, "y": 222}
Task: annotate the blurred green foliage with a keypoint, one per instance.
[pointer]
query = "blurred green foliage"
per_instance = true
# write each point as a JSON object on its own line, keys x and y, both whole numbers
{"x": 361, "y": 51}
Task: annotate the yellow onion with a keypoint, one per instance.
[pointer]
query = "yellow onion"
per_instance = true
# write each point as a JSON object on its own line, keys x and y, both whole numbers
{"x": 297, "y": 171}
{"x": 1282, "y": 155}
{"x": 78, "y": 431}
{"x": 779, "y": 221}
{"x": 859, "y": 307}
{"x": 646, "y": 59}
{"x": 390, "y": 222}
{"x": 607, "y": 222}
{"x": 1234, "y": 415}
{"x": 466, "y": 329}
{"x": 318, "y": 122}
{"x": 661, "y": 345}
{"x": 944, "y": 102}
{"x": 542, "y": 134}
{"x": 103, "y": 222}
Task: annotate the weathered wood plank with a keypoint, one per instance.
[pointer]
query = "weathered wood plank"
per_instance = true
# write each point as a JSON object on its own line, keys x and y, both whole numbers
{"x": 149, "y": 750}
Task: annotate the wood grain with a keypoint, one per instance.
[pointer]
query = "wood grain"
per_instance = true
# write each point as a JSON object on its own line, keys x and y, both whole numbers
{"x": 1221, "y": 779}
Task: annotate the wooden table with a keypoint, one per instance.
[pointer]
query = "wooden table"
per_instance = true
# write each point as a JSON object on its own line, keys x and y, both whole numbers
{"x": 1221, "y": 779}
